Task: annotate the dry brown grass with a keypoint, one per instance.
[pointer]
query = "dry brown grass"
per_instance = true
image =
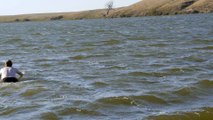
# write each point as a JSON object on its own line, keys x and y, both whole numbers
{"x": 204, "y": 6}
{"x": 165, "y": 7}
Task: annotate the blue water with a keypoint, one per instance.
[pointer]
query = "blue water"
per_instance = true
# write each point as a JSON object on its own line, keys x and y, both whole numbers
{"x": 130, "y": 68}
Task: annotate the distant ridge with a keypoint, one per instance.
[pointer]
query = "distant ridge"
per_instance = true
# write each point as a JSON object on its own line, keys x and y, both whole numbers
{"x": 142, "y": 8}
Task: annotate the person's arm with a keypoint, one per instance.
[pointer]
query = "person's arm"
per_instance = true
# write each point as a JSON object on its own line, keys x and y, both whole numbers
{"x": 20, "y": 74}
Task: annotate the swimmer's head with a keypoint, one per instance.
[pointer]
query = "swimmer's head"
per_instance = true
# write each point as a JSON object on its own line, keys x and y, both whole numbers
{"x": 8, "y": 63}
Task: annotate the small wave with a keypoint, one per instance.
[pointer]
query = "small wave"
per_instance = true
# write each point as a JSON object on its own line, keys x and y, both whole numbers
{"x": 150, "y": 54}
{"x": 147, "y": 74}
{"x": 63, "y": 62}
{"x": 26, "y": 46}
{"x": 132, "y": 100}
{"x": 205, "y": 48}
{"x": 90, "y": 77}
{"x": 46, "y": 59}
{"x": 186, "y": 91}
{"x": 90, "y": 44}
{"x": 49, "y": 116}
{"x": 117, "y": 67}
{"x": 140, "y": 55}
{"x": 45, "y": 65}
{"x": 41, "y": 59}
{"x": 2, "y": 53}
{"x": 201, "y": 41}
{"x": 206, "y": 83}
{"x": 5, "y": 86}
{"x": 194, "y": 59}
{"x": 11, "y": 40}
{"x": 37, "y": 34}
{"x": 203, "y": 114}
{"x": 176, "y": 70}
{"x": 48, "y": 46}
{"x": 138, "y": 38}
{"x": 82, "y": 57}
{"x": 100, "y": 31}
{"x": 79, "y": 57}
{"x": 99, "y": 84}
{"x": 83, "y": 49}
{"x": 9, "y": 110}
{"x": 158, "y": 45}
{"x": 71, "y": 111}
{"x": 122, "y": 100}
{"x": 32, "y": 92}
{"x": 111, "y": 42}
{"x": 150, "y": 98}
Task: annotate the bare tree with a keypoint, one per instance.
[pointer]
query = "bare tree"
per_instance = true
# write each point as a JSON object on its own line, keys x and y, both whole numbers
{"x": 109, "y": 6}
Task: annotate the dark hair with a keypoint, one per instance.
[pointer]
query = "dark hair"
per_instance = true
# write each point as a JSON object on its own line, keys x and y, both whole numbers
{"x": 8, "y": 63}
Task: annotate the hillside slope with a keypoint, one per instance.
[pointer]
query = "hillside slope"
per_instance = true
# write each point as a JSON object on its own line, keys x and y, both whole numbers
{"x": 165, "y": 7}
{"x": 142, "y": 8}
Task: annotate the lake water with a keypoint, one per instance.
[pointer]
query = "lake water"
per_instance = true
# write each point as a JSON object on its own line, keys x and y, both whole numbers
{"x": 154, "y": 68}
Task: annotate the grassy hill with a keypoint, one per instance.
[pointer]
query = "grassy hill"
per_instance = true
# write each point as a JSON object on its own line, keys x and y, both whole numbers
{"x": 165, "y": 7}
{"x": 142, "y": 8}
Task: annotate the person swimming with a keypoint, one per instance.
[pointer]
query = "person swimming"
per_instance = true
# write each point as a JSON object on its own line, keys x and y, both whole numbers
{"x": 8, "y": 73}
